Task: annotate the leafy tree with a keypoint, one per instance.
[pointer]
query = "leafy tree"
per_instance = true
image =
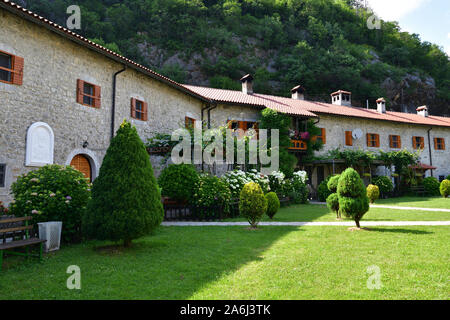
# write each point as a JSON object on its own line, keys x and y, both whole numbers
{"x": 353, "y": 200}
{"x": 126, "y": 202}
{"x": 252, "y": 203}
{"x": 273, "y": 204}
{"x": 373, "y": 192}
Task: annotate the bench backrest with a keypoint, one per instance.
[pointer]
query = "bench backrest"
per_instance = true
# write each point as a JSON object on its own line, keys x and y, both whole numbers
{"x": 12, "y": 227}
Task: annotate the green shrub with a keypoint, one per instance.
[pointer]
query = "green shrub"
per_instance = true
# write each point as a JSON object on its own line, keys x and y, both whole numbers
{"x": 273, "y": 204}
{"x": 373, "y": 193}
{"x": 448, "y": 177}
{"x": 211, "y": 191}
{"x": 384, "y": 184}
{"x": 353, "y": 200}
{"x": 322, "y": 191}
{"x": 431, "y": 185}
{"x": 333, "y": 204}
{"x": 445, "y": 188}
{"x": 252, "y": 203}
{"x": 126, "y": 203}
{"x": 333, "y": 183}
{"x": 53, "y": 193}
{"x": 178, "y": 181}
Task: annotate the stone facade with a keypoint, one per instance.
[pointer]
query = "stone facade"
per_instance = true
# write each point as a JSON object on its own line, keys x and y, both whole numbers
{"x": 48, "y": 94}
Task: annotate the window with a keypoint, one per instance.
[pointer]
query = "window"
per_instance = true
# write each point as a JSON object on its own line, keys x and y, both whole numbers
{"x": 322, "y": 136}
{"x": 373, "y": 140}
{"x": 243, "y": 125}
{"x": 11, "y": 68}
{"x": 395, "y": 142}
{"x": 439, "y": 144}
{"x": 348, "y": 138}
{"x": 418, "y": 142}
{"x": 189, "y": 123}
{"x": 2, "y": 175}
{"x": 139, "y": 109}
{"x": 88, "y": 94}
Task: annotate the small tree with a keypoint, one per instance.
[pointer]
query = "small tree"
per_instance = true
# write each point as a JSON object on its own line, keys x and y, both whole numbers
{"x": 333, "y": 199}
{"x": 273, "y": 204}
{"x": 353, "y": 200}
{"x": 252, "y": 203}
{"x": 445, "y": 188}
{"x": 126, "y": 202}
{"x": 373, "y": 193}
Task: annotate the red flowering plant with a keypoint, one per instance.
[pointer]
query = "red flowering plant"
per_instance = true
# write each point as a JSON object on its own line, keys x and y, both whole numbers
{"x": 3, "y": 209}
{"x": 298, "y": 135}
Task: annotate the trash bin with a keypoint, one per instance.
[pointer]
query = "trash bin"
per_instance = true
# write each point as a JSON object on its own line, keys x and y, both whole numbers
{"x": 50, "y": 231}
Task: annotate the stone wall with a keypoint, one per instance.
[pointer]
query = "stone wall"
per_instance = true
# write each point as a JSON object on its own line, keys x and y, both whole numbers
{"x": 48, "y": 94}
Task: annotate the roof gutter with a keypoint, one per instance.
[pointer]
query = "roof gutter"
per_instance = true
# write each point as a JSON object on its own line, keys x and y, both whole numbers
{"x": 113, "y": 108}
{"x": 429, "y": 149}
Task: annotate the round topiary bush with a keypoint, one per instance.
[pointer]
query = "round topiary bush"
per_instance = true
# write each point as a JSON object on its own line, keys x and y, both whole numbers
{"x": 445, "y": 188}
{"x": 53, "y": 193}
{"x": 211, "y": 191}
{"x": 353, "y": 200}
{"x": 431, "y": 186}
{"x": 384, "y": 184}
{"x": 333, "y": 204}
{"x": 373, "y": 193}
{"x": 333, "y": 183}
{"x": 322, "y": 190}
{"x": 273, "y": 204}
{"x": 178, "y": 181}
{"x": 252, "y": 203}
{"x": 126, "y": 203}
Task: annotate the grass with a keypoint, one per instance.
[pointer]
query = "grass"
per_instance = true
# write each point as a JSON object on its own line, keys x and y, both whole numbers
{"x": 235, "y": 263}
{"x": 419, "y": 202}
{"x": 320, "y": 213}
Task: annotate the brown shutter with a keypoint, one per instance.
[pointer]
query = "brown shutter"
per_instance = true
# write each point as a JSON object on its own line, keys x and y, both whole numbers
{"x": 399, "y": 142}
{"x": 98, "y": 96}
{"x": 133, "y": 108}
{"x": 324, "y": 136}
{"x": 368, "y": 139}
{"x": 348, "y": 138}
{"x": 391, "y": 141}
{"x": 377, "y": 139}
{"x": 422, "y": 143}
{"x": 443, "y": 143}
{"x": 17, "y": 76}
{"x": 80, "y": 84}
{"x": 435, "y": 143}
{"x": 145, "y": 107}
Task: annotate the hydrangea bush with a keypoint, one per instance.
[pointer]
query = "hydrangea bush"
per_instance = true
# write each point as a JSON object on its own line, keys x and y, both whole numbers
{"x": 53, "y": 193}
{"x": 211, "y": 191}
{"x": 237, "y": 179}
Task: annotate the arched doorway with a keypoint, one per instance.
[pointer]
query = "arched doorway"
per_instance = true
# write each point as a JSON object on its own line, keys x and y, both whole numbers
{"x": 82, "y": 164}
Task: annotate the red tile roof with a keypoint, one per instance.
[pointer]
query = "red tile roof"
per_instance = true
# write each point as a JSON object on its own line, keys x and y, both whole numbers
{"x": 306, "y": 108}
{"x": 422, "y": 166}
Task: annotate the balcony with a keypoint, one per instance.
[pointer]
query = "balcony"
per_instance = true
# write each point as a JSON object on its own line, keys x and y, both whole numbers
{"x": 298, "y": 145}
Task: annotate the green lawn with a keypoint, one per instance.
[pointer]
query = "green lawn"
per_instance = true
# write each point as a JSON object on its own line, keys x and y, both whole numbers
{"x": 419, "y": 202}
{"x": 314, "y": 212}
{"x": 236, "y": 263}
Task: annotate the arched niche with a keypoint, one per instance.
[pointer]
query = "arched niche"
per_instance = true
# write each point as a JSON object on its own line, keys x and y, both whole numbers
{"x": 40, "y": 145}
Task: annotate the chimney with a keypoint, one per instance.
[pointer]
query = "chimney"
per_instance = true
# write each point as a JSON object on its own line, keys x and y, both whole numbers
{"x": 298, "y": 93}
{"x": 341, "y": 98}
{"x": 422, "y": 111}
{"x": 381, "y": 105}
{"x": 247, "y": 84}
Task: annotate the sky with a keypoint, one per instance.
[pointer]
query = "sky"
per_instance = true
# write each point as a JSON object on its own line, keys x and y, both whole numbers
{"x": 428, "y": 18}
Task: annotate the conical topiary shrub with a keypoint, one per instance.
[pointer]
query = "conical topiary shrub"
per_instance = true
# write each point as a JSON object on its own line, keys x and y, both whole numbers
{"x": 353, "y": 200}
{"x": 126, "y": 202}
{"x": 252, "y": 203}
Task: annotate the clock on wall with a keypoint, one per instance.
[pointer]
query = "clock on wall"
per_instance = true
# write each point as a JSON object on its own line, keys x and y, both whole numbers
{"x": 357, "y": 134}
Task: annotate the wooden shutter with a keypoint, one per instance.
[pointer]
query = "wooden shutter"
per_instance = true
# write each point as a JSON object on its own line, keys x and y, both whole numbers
{"x": 17, "y": 75}
{"x": 348, "y": 138}
{"x": 399, "y": 142}
{"x": 377, "y": 140}
{"x": 422, "y": 143}
{"x": 98, "y": 96}
{"x": 391, "y": 141}
{"x": 80, "y": 84}
{"x": 133, "y": 108}
{"x": 435, "y": 143}
{"x": 324, "y": 136}
{"x": 145, "y": 110}
{"x": 368, "y": 139}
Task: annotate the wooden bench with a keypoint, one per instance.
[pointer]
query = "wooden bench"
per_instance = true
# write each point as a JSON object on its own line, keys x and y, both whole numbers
{"x": 418, "y": 190}
{"x": 19, "y": 234}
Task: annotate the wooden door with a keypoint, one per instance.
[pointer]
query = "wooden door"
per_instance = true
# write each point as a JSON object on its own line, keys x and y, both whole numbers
{"x": 81, "y": 163}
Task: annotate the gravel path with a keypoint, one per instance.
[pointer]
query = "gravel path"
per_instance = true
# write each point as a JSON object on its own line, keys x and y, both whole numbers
{"x": 396, "y": 207}
{"x": 295, "y": 224}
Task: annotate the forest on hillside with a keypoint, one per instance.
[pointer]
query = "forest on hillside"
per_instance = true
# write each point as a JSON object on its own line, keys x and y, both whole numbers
{"x": 325, "y": 45}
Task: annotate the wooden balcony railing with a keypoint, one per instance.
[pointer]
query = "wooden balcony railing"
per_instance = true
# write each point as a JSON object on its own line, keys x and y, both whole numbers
{"x": 298, "y": 145}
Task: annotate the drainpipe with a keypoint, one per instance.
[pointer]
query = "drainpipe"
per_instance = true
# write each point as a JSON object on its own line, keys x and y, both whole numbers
{"x": 209, "y": 115}
{"x": 429, "y": 148}
{"x": 113, "y": 109}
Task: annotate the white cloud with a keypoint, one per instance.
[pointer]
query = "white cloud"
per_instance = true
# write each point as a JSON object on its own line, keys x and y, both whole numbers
{"x": 393, "y": 10}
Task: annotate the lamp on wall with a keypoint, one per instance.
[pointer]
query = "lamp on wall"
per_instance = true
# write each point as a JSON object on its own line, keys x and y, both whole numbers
{"x": 85, "y": 144}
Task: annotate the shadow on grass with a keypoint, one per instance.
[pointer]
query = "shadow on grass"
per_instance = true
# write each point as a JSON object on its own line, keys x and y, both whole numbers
{"x": 398, "y": 230}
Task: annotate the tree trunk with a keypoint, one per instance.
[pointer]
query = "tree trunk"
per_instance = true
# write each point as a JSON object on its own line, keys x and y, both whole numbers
{"x": 357, "y": 222}
{"x": 127, "y": 243}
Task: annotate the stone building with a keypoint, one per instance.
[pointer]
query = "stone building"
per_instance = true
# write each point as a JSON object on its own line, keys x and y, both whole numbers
{"x": 63, "y": 97}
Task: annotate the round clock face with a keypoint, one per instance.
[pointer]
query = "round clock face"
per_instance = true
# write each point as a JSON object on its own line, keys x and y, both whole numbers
{"x": 357, "y": 134}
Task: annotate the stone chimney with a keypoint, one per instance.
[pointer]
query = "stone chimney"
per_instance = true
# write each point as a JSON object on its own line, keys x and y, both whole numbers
{"x": 341, "y": 98}
{"x": 298, "y": 93}
{"x": 381, "y": 105}
{"x": 247, "y": 84}
{"x": 422, "y": 111}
